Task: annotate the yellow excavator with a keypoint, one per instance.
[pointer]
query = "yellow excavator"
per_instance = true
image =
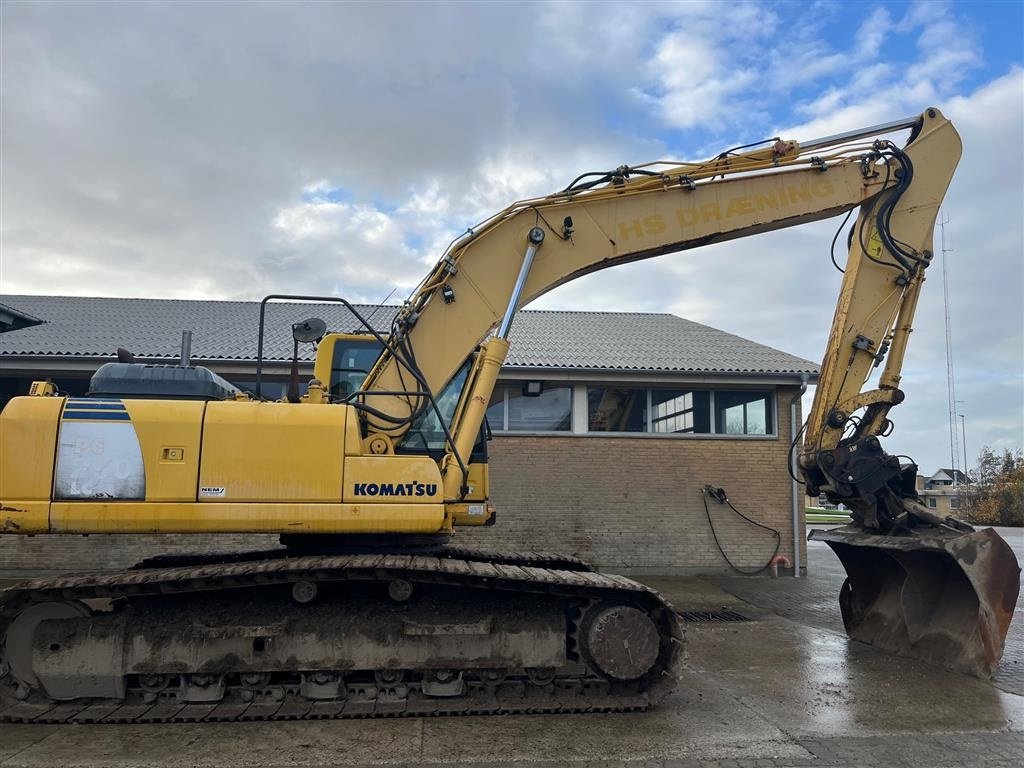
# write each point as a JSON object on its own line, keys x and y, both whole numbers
{"x": 368, "y": 608}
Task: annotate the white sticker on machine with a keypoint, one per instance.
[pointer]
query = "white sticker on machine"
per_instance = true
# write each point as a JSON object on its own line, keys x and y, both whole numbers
{"x": 99, "y": 459}
{"x": 213, "y": 491}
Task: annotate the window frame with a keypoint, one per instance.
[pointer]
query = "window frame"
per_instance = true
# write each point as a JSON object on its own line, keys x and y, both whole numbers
{"x": 580, "y": 422}
{"x": 504, "y": 428}
{"x": 770, "y": 412}
{"x": 647, "y": 410}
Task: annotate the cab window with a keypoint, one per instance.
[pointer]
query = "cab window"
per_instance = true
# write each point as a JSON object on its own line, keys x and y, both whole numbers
{"x": 351, "y": 361}
{"x": 426, "y": 433}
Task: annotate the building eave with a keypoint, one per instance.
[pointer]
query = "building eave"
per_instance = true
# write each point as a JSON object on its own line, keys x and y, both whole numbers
{"x": 651, "y": 375}
{"x": 87, "y": 364}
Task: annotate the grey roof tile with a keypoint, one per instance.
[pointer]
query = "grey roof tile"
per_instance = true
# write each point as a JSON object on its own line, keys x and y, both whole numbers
{"x": 227, "y": 330}
{"x": 221, "y": 330}
{"x": 640, "y": 342}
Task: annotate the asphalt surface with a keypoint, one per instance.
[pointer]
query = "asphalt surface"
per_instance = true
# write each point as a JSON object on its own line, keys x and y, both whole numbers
{"x": 784, "y": 688}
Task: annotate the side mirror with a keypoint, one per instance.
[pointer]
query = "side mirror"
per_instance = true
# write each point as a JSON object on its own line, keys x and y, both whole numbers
{"x": 309, "y": 331}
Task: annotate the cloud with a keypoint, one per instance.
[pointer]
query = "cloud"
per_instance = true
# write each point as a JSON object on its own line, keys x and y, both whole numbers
{"x": 703, "y": 66}
{"x": 872, "y": 34}
{"x": 218, "y": 150}
{"x": 780, "y": 288}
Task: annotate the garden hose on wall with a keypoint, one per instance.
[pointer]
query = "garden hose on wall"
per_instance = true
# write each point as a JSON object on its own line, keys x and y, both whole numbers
{"x": 719, "y": 495}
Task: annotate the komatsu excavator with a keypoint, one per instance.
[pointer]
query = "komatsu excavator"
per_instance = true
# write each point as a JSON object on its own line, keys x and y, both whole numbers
{"x": 369, "y": 609}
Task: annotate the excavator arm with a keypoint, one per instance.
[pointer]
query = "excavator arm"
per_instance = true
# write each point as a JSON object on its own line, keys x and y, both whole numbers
{"x": 917, "y": 584}
{"x": 471, "y": 295}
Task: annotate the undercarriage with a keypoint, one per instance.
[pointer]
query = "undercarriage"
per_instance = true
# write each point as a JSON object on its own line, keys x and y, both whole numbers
{"x": 268, "y": 636}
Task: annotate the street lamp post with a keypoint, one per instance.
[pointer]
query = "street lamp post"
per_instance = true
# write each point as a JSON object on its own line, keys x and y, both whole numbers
{"x": 963, "y": 431}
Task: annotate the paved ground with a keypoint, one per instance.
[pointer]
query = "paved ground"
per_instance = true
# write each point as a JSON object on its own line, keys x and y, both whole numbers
{"x": 784, "y": 689}
{"x": 812, "y": 601}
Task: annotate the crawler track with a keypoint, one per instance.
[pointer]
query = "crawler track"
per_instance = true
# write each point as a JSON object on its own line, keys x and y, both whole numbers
{"x": 446, "y": 577}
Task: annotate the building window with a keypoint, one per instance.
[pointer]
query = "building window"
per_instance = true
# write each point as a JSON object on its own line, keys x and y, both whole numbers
{"x": 512, "y": 411}
{"x": 611, "y": 409}
{"x": 954, "y": 502}
{"x": 616, "y": 409}
{"x": 680, "y": 411}
{"x": 269, "y": 389}
{"x": 932, "y": 503}
{"x": 743, "y": 413}
{"x": 496, "y": 410}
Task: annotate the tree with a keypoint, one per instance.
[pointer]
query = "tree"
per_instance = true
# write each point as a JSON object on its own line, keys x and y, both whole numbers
{"x": 997, "y": 492}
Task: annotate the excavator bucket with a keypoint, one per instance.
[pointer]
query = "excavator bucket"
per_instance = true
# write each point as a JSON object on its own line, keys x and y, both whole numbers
{"x": 931, "y": 594}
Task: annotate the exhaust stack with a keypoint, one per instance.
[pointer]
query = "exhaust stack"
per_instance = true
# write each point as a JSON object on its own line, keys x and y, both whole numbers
{"x": 186, "y": 349}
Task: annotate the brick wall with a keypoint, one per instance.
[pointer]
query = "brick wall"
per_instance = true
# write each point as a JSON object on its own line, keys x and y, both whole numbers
{"x": 626, "y": 504}
{"x": 636, "y": 504}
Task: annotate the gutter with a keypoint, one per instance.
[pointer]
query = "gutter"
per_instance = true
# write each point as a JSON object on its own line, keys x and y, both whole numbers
{"x": 656, "y": 376}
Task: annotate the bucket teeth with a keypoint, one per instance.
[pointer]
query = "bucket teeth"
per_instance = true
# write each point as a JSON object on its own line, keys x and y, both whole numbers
{"x": 933, "y": 594}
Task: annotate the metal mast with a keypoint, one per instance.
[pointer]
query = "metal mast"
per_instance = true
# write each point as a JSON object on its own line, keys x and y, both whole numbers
{"x": 954, "y": 449}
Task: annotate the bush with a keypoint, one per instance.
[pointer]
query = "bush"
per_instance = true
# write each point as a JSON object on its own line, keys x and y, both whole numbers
{"x": 997, "y": 496}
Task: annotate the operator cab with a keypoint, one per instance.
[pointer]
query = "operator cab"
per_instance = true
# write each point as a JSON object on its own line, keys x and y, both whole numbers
{"x": 343, "y": 360}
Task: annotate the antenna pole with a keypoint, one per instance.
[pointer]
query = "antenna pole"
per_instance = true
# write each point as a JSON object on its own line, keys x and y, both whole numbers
{"x": 954, "y": 449}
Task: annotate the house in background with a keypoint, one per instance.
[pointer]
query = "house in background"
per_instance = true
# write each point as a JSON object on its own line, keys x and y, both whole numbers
{"x": 945, "y": 491}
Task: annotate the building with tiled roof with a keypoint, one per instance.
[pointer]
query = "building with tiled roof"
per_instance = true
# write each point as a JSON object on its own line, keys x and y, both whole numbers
{"x": 607, "y": 425}
{"x": 944, "y": 491}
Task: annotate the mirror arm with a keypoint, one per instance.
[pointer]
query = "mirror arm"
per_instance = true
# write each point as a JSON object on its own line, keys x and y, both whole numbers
{"x": 293, "y": 381}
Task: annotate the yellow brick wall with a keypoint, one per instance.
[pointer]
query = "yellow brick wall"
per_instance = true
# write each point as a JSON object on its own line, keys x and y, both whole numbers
{"x": 636, "y": 504}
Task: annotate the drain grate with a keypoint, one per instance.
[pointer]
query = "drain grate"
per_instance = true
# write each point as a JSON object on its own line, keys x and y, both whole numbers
{"x": 724, "y": 614}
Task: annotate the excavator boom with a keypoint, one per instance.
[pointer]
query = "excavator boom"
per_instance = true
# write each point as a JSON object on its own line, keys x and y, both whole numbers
{"x": 639, "y": 213}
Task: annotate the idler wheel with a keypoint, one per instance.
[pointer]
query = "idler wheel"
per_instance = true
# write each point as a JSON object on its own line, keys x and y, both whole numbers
{"x": 621, "y": 641}
{"x": 18, "y": 641}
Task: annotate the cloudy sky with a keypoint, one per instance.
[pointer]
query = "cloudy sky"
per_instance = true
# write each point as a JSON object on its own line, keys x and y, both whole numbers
{"x": 205, "y": 150}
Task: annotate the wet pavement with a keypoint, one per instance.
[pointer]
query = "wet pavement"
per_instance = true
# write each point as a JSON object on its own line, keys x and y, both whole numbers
{"x": 784, "y": 688}
{"x": 813, "y": 601}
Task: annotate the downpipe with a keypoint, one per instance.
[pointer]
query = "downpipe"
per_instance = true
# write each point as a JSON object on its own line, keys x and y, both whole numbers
{"x": 797, "y": 535}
